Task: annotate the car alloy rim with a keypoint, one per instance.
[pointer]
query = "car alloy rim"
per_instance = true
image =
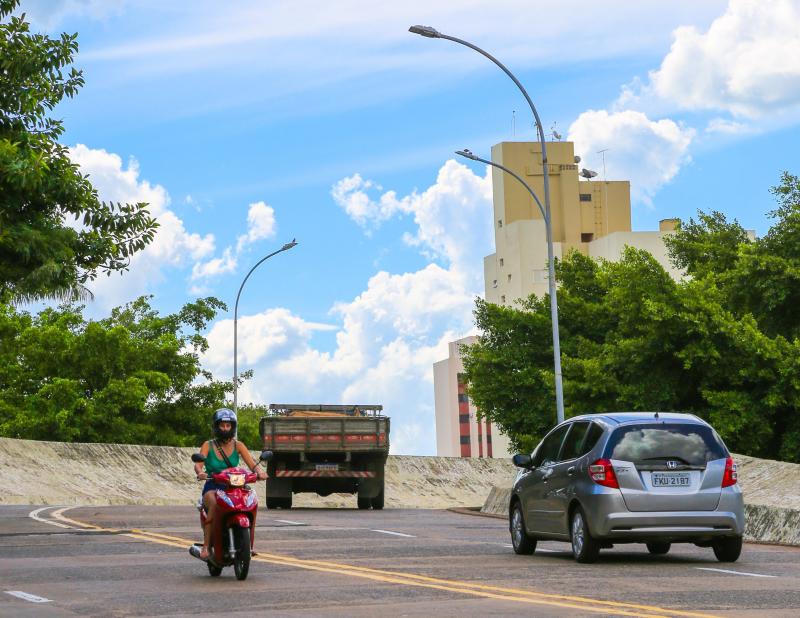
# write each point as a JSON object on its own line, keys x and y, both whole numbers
{"x": 516, "y": 525}
{"x": 577, "y": 533}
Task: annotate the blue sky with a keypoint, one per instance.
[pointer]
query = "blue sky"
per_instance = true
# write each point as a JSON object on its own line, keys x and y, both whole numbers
{"x": 248, "y": 124}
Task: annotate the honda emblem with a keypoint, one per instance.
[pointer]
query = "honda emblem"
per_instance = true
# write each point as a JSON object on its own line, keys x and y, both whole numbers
{"x": 671, "y": 464}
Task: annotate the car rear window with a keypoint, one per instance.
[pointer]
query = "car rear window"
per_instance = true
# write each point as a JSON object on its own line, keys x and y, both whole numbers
{"x": 692, "y": 444}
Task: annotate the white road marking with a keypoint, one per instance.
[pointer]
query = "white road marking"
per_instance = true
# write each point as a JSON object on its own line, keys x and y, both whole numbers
{"x": 734, "y": 572}
{"x": 410, "y": 536}
{"x": 27, "y": 596}
{"x": 35, "y": 515}
{"x": 547, "y": 551}
{"x": 290, "y": 522}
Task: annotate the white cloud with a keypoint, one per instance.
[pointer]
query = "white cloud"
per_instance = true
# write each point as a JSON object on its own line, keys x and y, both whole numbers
{"x": 747, "y": 62}
{"x": 173, "y": 245}
{"x": 260, "y": 225}
{"x": 647, "y": 152}
{"x": 214, "y": 267}
{"x": 49, "y": 13}
{"x": 387, "y": 337}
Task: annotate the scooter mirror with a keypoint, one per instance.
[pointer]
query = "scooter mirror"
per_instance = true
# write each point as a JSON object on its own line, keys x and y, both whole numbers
{"x": 198, "y": 457}
{"x": 265, "y": 455}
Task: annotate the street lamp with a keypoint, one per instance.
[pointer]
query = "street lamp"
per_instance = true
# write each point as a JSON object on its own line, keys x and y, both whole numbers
{"x": 432, "y": 33}
{"x": 285, "y": 247}
{"x": 551, "y": 274}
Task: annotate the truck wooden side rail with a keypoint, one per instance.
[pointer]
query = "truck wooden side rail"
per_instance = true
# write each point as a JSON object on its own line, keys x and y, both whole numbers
{"x": 326, "y": 449}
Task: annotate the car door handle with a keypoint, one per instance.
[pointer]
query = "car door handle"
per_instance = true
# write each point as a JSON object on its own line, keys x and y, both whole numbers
{"x": 570, "y": 470}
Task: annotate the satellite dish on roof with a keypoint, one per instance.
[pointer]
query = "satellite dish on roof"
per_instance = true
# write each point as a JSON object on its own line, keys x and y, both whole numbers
{"x": 588, "y": 173}
{"x": 577, "y": 159}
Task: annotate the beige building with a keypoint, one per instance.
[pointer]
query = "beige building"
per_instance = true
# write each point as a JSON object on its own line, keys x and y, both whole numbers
{"x": 591, "y": 216}
{"x": 459, "y": 433}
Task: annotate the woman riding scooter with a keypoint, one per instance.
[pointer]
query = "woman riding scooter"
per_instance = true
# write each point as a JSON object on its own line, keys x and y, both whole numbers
{"x": 222, "y": 452}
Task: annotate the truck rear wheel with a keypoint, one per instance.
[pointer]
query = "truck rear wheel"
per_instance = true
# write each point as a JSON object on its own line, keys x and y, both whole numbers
{"x": 377, "y": 501}
{"x": 364, "y": 503}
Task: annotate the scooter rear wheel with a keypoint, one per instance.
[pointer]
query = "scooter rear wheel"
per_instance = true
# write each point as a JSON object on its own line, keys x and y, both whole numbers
{"x": 241, "y": 563}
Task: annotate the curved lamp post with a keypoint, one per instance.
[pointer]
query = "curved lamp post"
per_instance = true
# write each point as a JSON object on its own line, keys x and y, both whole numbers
{"x": 551, "y": 275}
{"x": 432, "y": 33}
{"x": 285, "y": 247}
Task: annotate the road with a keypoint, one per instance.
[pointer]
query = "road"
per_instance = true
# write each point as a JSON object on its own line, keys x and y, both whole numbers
{"x": 133, "y": 561}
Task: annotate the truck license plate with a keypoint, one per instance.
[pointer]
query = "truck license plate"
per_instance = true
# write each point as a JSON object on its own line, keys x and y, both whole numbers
{"x": 327, "y": 466}
{"x": 670, "y": 479}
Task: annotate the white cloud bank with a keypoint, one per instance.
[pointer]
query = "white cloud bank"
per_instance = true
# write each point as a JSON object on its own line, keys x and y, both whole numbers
{"x": 388, "y": 337}
{"x": 172, "y": 247}
{"x": 647, "y": 152}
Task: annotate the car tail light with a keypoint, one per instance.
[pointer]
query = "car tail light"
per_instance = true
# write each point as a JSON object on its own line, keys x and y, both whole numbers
{"x": 730, "y": 477}
{"x": 602, "y": 473}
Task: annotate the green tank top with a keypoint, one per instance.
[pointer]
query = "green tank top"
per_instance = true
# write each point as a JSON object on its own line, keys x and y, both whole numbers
{"x": 214, "y": 463}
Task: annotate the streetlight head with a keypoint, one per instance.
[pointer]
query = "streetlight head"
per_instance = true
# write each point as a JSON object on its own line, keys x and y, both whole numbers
{"x": 466, "y": 153}
{"x": 289, "y": 245}
{"x": 426, "y": 31}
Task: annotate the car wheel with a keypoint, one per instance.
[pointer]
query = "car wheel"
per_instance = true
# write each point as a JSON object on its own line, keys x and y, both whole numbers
{"x": 520, "y": 540}
{"x": 585, "y": 548}
{"x": 364, "y": 503}
{"x": 658, "y": 548}
{"x": 728, "y": 549}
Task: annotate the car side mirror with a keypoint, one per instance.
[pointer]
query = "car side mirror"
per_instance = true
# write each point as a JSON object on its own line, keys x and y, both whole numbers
{"x": 522, "y": 461}
{"x": 198, "y": 457}
{"x": 265, "y": 455}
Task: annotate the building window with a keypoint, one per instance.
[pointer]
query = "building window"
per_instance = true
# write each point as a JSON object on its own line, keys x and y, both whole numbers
{"x": 462, "y": 398}
{"x": 464, "y": 440}
{"x": 463, "y": 418}
{"x": 503, "y": 298}
{"x": 586, "y": 197}
{"x": 501, "y": 261}
{"x": 494, "y": 283}
{"x": 499, "y": 223}
{"x": 587, "y": 237}
{"x": 509, "y": 277}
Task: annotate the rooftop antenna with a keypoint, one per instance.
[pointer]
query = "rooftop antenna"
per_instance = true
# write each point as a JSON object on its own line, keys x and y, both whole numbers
{"x": 513, "y": 123}
{"x": 605, "y": 188}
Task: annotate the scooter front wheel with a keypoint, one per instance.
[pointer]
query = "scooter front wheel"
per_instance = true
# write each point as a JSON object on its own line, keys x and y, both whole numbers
{"x": 241, "y": 563}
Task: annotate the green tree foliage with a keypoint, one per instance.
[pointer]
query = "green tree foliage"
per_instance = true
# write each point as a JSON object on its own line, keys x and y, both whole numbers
{"x": 722, "y": 344}
{"x": 55, "y": 234}
{"x": 134, "y": 377}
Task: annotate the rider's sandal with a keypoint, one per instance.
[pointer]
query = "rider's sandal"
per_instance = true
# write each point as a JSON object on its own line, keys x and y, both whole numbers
{"x": 195, "y": 551}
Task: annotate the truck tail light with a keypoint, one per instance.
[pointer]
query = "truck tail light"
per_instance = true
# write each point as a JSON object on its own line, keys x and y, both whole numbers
{"x": 730, "y": 476}
{"x": 602, "y": 473}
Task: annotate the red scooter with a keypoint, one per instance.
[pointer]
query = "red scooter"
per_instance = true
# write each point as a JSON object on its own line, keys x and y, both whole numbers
{"x": 233, "y": 532}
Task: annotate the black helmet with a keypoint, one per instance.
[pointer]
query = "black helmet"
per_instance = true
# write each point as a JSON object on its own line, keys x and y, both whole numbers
{"x": 221, "y": 416}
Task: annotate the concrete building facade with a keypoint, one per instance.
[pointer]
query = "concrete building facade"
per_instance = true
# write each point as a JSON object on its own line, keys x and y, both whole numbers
{"x": 590, "y": 216}
{"x": 459, "y": 433}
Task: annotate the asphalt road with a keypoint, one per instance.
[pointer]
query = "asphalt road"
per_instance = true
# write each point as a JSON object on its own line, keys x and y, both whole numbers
{"x": 337, "y": 562}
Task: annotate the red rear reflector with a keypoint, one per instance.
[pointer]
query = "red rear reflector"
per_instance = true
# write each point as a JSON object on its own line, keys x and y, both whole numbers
{"x": 731, "y": 476}
{"x": 602, "y": 473}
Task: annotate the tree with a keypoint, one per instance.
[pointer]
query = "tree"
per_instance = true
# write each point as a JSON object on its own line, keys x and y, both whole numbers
{"x": 55, "y": 233}
{"x": 633, "y": 339}
{"x": 134, "y": 377}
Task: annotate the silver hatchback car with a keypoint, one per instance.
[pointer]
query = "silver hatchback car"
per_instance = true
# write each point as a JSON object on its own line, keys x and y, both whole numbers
{"x": 655, "y": 478}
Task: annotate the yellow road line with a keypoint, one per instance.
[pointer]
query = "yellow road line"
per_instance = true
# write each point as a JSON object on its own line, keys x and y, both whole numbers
{"x": 410, "y": 579}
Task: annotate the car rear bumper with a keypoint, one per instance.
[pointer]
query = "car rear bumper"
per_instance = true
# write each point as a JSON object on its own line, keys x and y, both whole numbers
{"x": 610, "y": 519}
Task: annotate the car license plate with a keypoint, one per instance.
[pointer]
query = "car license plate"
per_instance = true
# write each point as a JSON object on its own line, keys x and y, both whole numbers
{"x": 670, "y": 479}
{"x": 327, "y": 466}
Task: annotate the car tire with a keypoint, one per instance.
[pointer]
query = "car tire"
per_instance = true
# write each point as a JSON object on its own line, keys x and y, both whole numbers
{"x": 658, "y": 548}
{"x": 364, "y": 503}
{"x": 521, "y": 541}
{"x": 585, "y": 548}
{"x": 728, "y": 549}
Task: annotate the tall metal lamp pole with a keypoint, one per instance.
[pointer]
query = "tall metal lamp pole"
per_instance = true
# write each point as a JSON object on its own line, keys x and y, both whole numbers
{"x": 285, "y": 247}
{"x": 432, "y": 33}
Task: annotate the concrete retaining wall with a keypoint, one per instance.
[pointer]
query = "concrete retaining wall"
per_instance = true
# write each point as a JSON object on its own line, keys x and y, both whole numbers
{"x": 34, "y": 472}
{"x": 771, "y": 492}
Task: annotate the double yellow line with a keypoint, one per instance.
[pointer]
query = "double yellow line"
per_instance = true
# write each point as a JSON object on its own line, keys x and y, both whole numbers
{"x": 501, "y": 593}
